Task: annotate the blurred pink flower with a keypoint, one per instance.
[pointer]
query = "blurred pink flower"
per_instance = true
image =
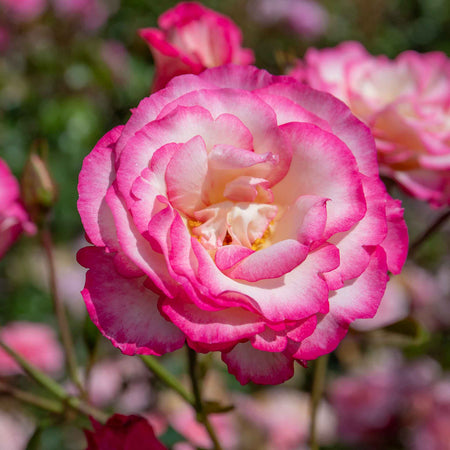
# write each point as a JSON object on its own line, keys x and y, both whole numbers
{"x": 283, "y": 417}
{"x": 123, "y": 433}
{"x": 15, "y": 430}
{"x": 306, "y": 17}
{"x": 105, "y": 382}
{"x": 115, "y": 56}
{"x": 23, "y": 10}
{"x": 13, "y": 217}
{"x": 406, "y": 104}
{"x": 395, "y": 401}
{"x": 92, "y": 14}
{"x": 36, "y": 342}
{"x": 192, "y": 38}
{"x": 431, "y": 410}
{"x": 365, "y": 405}
{"x": 182, "y": 418}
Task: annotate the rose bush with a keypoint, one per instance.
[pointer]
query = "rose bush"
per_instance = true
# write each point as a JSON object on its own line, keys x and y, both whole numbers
{"x": 13, "y": 217}
{"x": 405, "y": 102}
{"x": 192, "y": 38}
{"x": 240, "y": 212}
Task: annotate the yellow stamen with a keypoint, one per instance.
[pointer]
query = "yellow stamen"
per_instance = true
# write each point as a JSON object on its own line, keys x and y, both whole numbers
{"x": 259, "y": 243}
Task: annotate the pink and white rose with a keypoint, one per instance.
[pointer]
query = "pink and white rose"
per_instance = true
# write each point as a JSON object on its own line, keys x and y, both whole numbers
{"x": 240, "y": 212}
{"x": 406, "y": 104}
{"x": 35, "y": 342}
{"x": 192, "y": 38}
{"x": 13, "y": 217}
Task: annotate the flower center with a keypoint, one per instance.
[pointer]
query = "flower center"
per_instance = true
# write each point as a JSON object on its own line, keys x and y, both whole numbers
{"x": 245, "y": 223}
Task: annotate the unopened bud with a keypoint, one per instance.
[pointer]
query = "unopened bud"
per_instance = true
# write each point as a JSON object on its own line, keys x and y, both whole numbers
{"x": 39, "y": 192}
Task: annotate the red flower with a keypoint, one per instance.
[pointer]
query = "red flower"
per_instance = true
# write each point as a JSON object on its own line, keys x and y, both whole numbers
{"x": 122, "y": 433}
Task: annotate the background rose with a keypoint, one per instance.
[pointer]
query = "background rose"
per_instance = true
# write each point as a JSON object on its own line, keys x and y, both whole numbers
{"x": 192, "y": 38}
{"x": 405, "y": 102}
{"x": 242, "y": 212}
{"x": 13, "y": 217}
{"x": 34, "y": 341}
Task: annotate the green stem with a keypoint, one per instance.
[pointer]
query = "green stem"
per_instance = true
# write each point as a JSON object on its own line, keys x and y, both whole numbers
{"x": 32, "y": 399}
{"x": 53, "y": 387}
{"x": 166, "y": 377}
{"x": 320, "y": 370}
{"x": 60, "y": 312}
{"x": 428, "y": 232}
{"x": 202, "y": 416}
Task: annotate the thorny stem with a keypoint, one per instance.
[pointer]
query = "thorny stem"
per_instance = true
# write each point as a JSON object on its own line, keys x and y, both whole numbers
{"x": 167, "y": 378}
{"x": 202, "y": 416}
{"x": 320, "y": 370}
{"x": 428, "y": 232}
{"x": 53, "y": 387}
{"x": 60, "y": 312}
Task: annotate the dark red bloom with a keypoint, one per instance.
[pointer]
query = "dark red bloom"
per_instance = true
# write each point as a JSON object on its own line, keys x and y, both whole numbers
{"x": 122, "y": 433}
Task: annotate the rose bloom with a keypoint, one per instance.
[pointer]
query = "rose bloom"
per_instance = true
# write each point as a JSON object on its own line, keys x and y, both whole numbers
{"x": 35, "y": 342}
{"x": 192, "y": 38}
{"x": 405, "y": 102}
{"x": 122, "y": 433}
{"x": 241, "y": 212}
{"x": 13, "y": 217}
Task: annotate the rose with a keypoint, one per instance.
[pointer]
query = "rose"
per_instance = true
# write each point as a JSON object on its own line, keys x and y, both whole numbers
{"x": 122, "y": 433}
{"x": 34, "y": 341}
{"x": 241, "y": 212}
{"x": 192, "y": 38}
{"x": 13, "y": 217}
{"x": 405, "y": 102}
